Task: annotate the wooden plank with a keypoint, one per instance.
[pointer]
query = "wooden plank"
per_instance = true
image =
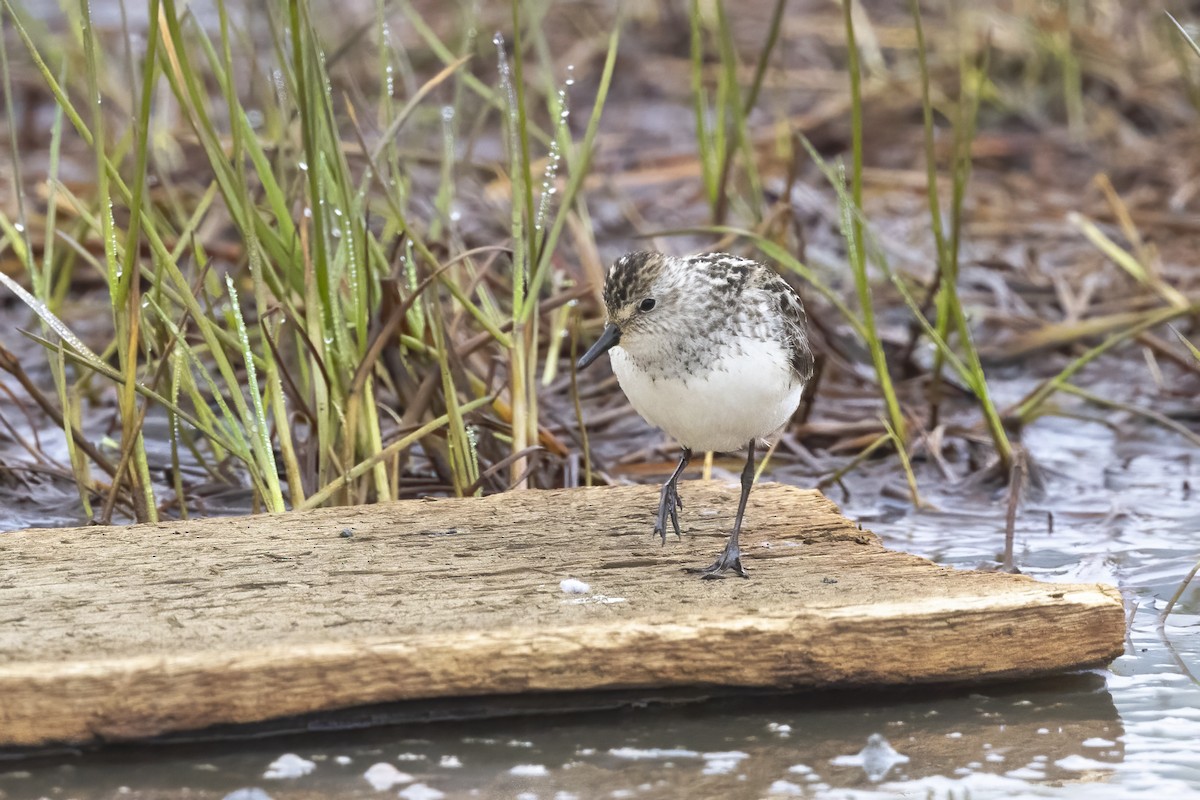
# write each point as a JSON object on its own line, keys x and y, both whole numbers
{"x": 119, "y": 633}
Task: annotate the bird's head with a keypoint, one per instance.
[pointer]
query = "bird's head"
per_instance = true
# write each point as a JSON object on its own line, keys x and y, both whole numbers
{"x": 638, "y": 291}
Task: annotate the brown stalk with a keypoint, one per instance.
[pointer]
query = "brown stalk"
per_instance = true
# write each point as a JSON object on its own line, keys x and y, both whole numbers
{"x": 9, "y": 363}
{"x": 1018, "y": 473}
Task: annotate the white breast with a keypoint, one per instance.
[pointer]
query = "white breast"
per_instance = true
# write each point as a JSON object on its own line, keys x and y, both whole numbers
{"x": 742, "y": 396}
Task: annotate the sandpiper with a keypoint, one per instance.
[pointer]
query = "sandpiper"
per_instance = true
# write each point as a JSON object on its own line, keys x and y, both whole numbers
{"x": 714, "y": 350}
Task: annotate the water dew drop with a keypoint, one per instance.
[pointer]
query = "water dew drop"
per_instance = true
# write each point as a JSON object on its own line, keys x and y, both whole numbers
{"x": 280, "y": 86}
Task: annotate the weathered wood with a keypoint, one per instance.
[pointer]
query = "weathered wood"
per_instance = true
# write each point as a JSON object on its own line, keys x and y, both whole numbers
{"x": 118, "y": 633}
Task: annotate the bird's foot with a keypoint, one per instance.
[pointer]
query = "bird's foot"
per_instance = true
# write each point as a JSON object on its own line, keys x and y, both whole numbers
{"x": 669, "y": 506}
{"x": 730, "y": 561}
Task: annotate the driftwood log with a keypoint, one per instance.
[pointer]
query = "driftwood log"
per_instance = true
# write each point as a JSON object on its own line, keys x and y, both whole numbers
{"x": 116, "y": 633}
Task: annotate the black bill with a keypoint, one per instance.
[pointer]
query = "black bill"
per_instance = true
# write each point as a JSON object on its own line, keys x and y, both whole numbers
{"x": 610, "y": 337}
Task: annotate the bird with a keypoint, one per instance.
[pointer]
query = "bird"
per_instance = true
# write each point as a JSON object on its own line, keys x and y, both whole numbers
{"x": 713, "y": 349}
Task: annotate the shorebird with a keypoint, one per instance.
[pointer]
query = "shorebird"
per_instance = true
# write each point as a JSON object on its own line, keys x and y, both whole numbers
{"x": 713, "y": 349}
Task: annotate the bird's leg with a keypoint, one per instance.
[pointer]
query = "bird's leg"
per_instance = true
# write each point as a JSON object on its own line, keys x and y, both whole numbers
{"x": 730, "y": 559}
{"x": 669, "y": 504}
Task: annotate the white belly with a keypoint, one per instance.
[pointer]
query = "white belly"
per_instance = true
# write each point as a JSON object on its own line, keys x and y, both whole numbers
{"x": 743, "y": 397}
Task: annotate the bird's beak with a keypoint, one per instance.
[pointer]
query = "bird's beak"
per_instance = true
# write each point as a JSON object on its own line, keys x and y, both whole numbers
{"x": 608, "y": 339}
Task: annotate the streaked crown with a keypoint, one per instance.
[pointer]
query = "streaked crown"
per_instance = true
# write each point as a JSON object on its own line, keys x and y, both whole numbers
{"x": 630, "y": 278}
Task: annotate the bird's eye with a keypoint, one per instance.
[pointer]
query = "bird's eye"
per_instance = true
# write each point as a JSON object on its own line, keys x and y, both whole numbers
{"x": 647, "y": 304}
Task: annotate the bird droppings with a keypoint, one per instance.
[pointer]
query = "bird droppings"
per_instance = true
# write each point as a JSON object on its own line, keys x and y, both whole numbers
{"x": 288, "y": 766}
{"x": 384, "y": 776}
{"x": 574, "y": 586}
{"x": 639, "y": 753}
{"x": 722, "y": 763}
{"x": 252, "y": 793}
{"x": 1096, "y": 741}
{"x": 450, "y": 762}
{"x": 419, "y": 791}
{"x": 530, "y": 770}
{"x": 1078, "y": 763}
{"x": 1029, "y": 772}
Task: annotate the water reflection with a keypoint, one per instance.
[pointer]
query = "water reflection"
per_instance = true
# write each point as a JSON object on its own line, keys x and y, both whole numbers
{"x": 876, "y": 759}
{"x": 733, "y": 747}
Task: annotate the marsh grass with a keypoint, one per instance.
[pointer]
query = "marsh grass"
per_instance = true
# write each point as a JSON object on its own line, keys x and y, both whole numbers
{"x": 1139, "y": 263}
{"x": 1195, "y": 351}
{"x": 722, "y": 131}
{"x": 947, "y": 244}
{"x": 853, "y": 231}
{"x": 273, "y": 359}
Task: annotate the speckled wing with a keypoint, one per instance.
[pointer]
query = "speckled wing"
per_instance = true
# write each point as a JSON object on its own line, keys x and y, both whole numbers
{"x": 795, "y": 322}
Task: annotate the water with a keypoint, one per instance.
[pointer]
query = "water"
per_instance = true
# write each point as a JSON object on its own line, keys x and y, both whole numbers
{"x": 1123, "y": 512}
{"x": 1120, "y": 507}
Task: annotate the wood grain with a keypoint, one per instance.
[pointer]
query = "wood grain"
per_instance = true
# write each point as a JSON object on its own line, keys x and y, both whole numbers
{"x": 120, "y": 633}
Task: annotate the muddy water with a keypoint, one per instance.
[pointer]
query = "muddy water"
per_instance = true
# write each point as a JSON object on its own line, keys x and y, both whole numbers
{"x": 1118, "y": 507}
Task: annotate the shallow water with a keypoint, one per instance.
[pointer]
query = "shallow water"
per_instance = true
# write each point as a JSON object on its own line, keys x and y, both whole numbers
{"x": 1123, "y": 512}
{"x": 1119, "y": 507}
